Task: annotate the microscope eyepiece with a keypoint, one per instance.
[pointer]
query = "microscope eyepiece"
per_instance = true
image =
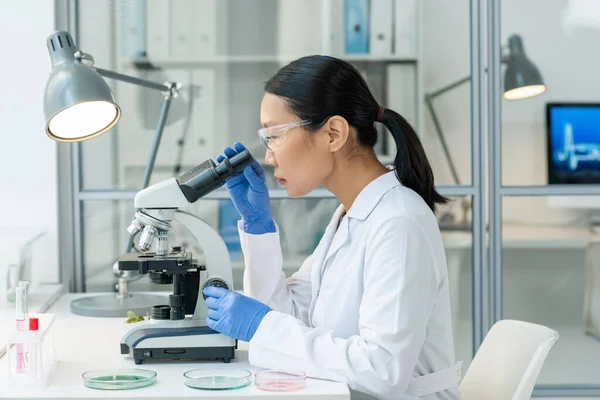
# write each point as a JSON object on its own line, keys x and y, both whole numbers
{"x": 208, "y": 176}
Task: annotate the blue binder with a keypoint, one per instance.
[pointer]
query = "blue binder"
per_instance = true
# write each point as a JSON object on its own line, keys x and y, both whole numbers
{"x": 356, "y": 26}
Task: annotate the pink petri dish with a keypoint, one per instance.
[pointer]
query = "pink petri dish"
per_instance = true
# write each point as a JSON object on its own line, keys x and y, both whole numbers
{"x": 280, "y": 381}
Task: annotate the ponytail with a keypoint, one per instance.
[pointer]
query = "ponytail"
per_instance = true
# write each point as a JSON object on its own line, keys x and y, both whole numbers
{"x": 411, "y": 164}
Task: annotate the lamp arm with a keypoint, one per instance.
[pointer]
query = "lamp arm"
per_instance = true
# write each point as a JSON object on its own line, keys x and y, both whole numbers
{"x": 436, "y": 122}
{"x": 440, "y": 135}
{"x": 438, "y": 128}
{"x": 447, "y": 88}
{"x": 170, "y": 88}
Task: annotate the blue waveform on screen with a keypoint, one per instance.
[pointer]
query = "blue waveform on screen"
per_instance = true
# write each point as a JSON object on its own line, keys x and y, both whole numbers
{"x": 573, "y": 153}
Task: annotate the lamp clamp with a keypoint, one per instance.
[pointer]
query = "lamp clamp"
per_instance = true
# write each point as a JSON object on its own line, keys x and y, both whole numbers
{"x": 83, "y": 57}
{"x": 172, "y": 89}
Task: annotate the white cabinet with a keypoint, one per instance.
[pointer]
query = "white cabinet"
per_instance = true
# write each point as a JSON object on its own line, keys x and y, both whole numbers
{"x": 231, "y": 47}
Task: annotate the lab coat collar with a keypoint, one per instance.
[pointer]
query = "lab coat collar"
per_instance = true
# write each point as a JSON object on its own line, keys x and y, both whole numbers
{"x": 370, "y": 196}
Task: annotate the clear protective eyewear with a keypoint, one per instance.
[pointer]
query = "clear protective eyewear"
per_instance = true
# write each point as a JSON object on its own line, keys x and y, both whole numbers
{"x": 273, "y": 137}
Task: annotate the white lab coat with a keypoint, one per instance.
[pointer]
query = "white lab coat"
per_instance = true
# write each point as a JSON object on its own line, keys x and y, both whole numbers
{"x": 370, "y": 307}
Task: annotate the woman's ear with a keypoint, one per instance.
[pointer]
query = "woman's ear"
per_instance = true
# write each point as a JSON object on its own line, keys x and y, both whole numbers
{"x": 338, "y": 132}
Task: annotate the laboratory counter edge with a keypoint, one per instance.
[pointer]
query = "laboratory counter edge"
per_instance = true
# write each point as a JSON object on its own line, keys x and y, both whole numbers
{"x": 88, "y": 343}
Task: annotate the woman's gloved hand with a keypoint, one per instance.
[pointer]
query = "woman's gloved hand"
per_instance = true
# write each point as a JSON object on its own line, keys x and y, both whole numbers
{"x": 233, "y": 314}
{"x": 250, "y": 195}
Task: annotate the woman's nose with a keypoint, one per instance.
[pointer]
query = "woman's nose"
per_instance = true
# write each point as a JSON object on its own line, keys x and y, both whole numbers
{"x": 270, "y": 158}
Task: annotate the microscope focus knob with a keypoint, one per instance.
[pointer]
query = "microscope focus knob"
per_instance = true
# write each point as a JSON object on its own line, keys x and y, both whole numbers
{"x": 216, "y": 282}
{"x": 160, "y": 312}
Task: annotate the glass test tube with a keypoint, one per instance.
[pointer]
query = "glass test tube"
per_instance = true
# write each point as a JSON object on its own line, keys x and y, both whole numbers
{"x": 22, "y": 316}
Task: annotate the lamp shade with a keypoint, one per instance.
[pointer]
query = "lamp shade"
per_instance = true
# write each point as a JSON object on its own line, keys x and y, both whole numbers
{"x": 521, "y": 78}
{"x": 78, "y": 103}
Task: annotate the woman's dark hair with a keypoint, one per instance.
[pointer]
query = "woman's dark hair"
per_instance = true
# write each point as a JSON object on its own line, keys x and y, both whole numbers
{"x": 318, "y": 87}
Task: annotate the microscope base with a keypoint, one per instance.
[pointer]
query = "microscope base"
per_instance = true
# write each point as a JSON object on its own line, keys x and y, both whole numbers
{"x": 162, "y": 342}
{"x": 226, "y": 354}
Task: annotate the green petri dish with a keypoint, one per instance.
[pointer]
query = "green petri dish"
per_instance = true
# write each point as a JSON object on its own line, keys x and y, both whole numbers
{"x": 118, "y": 379}
{"x": 217, "y": 378}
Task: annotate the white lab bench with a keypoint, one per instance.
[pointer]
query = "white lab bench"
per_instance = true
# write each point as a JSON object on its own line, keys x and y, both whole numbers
{"x": 86, "y": 343}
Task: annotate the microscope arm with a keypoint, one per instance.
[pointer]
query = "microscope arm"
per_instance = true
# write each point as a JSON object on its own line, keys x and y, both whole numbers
{"x": 216, "y": 257}
{"x": 163, "y": 195}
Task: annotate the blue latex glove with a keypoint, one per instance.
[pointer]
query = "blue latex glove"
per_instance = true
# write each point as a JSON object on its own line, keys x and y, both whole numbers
{"x": 250, "y": 195}
{"x": 233, "y": 314}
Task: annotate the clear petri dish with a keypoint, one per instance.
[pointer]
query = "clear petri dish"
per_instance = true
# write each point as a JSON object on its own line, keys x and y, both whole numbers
{"x": 280, "y": 381}
{"x": 217, "y": 378}
{"x": 118, "y": 379}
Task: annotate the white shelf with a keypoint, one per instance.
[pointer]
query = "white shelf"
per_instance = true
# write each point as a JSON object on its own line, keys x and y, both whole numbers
{"x": 257, "y": 59}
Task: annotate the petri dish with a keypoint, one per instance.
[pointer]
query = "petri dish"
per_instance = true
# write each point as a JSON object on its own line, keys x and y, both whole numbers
{"x": 217, "y": 378}
{"x": 280, "y": 381}
{"x": 118, "y": 379}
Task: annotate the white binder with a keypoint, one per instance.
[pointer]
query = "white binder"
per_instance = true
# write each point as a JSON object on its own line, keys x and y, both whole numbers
{"x": 333, "y": 27}
{"x": 406, "y": 27}
{"x": 157, "y": 28}
{"x": 181, "y": 22}
{"x": 204, "y": 28}
{"x": 291, "y": 15}
{"x": 381, "y": 21}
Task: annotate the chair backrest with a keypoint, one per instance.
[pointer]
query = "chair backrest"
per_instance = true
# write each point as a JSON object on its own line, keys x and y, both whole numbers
{"x": 508, "y": 362}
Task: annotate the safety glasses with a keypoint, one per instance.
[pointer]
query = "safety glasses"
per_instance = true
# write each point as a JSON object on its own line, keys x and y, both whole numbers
{"x": 273, "y": 137}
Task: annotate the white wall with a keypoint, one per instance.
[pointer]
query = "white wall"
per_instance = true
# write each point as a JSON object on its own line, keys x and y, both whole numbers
{"x": 568, "y": 64}
{"x": 27, "y": 156}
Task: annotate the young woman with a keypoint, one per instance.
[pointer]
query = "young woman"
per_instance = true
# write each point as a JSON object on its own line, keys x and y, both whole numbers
{"x": 371, "y": 306}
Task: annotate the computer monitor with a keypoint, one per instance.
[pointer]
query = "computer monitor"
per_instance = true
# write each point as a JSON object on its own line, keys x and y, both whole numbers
{"x": 573, "y": 142}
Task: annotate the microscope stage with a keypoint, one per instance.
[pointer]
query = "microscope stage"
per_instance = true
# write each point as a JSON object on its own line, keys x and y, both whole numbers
{"x": 144, "y": 262}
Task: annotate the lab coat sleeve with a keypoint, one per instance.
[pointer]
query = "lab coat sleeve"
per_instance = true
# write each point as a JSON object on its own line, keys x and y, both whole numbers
{"x": 264, "y": 279}
{"x": 400, "y": 282}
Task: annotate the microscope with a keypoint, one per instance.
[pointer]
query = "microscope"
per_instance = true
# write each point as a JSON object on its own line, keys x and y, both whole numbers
{"x": 178, "y": 331}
